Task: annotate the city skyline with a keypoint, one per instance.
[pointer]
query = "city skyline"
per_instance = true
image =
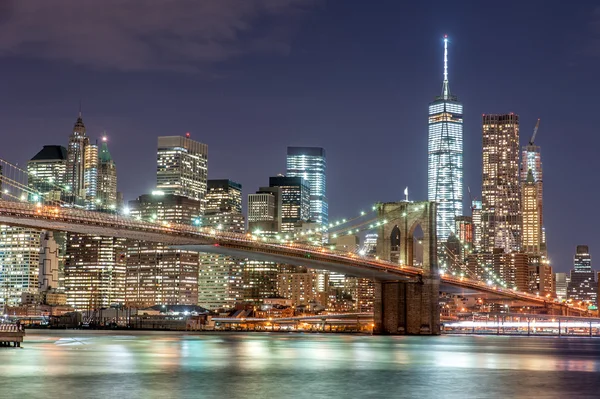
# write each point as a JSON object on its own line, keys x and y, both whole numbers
{"x": 127, "y": 125}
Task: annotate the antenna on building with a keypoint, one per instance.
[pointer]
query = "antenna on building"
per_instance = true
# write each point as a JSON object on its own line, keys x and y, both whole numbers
{"x": 445, "y": 86}
{"x": 80, "y": 108}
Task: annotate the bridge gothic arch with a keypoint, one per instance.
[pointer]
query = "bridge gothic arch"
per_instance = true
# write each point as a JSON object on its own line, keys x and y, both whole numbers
{"x": 404, "y": 217}
{"x": 407, "y": 307}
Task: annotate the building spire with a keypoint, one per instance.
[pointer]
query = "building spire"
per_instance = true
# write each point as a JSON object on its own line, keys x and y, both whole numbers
{"x": 445, "y": 86}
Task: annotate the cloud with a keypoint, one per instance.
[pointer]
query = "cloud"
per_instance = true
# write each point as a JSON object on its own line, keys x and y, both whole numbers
{"x": 129, "y": 35}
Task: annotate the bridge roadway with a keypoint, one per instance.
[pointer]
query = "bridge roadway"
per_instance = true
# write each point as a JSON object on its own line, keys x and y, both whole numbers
{"x": 243, "y": 245}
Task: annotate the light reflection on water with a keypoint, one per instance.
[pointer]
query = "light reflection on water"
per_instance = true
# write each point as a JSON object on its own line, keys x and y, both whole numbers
{"x": 162, "y": 365}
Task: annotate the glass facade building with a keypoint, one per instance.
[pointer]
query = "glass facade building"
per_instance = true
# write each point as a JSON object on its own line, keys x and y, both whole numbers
{"x": 295, "y": 200}
{"x": 445, "y": 156}
{"x": 310, "y": 164}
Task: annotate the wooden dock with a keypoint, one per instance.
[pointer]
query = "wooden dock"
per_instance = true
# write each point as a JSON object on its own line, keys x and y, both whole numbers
{"x": 11, "y": 334}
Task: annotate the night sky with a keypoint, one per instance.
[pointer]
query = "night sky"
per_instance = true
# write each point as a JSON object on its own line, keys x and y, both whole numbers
{"x": 251, "y": 77}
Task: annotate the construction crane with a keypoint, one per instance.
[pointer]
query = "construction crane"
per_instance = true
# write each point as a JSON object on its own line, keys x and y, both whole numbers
{"x": 535, "y": 130}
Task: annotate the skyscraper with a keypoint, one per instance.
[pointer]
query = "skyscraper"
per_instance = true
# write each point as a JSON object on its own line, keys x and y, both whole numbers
{"x": 500, "y": 194}
{"x": 445, "y": 156}
{"x": 95, "y": 271}
{"x": 90, "y": 175}
{"x": 295, "y": 200}
{"x": 532, "y": 226}
{"x": 220, "y": 276}
{"x": 74, "y": 181}
{"x": 582, "y": 286}
{"x": 46, "y": 172}
{"x": 182, "y": 167}
{"x": 156, "y": 273}
{"x": 106, "y": 197}
{"x": 531, "y": 162}
{"x": 310, "y": 164}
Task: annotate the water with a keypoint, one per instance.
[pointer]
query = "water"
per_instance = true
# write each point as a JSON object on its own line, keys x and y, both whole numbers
{"x": 261, "y": 365}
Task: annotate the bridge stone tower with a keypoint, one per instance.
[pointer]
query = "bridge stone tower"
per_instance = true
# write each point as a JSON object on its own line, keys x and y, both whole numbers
{"x": 407, "y": 307}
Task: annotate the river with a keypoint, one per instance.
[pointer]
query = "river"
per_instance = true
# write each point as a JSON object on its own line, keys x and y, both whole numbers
{"x": 294, "y": 365}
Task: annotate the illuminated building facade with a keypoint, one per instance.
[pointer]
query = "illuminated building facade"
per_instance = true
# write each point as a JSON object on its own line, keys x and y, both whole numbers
{"x": 582, "y": 286}
{"x": 310, "y": 164}
{"x": 229, "y": 222}
{"x": 182, "y": 167}
{"x": 156, "y": 273}
{"x": 19, "y": 263}
{"x": 561, "y": 283}
{"x": 477, "y": 225}
{"x": 264, "y": 211}
{"x": 223, "y": 196}
{"x": 531, "y": 216}
{"x": 369, "y": 244}
{"x": 90, "y": 176}
{"x": 301, "y": 288}
{"x": 541, "y": 278}
{"x": 106, "y": 197}
{"x": 295, "y": 200}
{"x": 259, "y": 280}
{"x": 531, "y": 163}
{"x": 464, "y": 234}
{"x": 220, "y": 277}
{"x": 46, "y": 172}
{"x": 160, "y": 275}
{"x": 445, "y": 156}
{"x": 219, "y": 281}
{"x": 95, "y": 271}
{"x": 510, "y": 270}
{"x": 161, "y": 207}
{"x": 74, "y": 182}
{"x": 501, "y": 200}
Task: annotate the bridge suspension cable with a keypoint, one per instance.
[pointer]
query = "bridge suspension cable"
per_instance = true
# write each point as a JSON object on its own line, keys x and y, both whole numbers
{"x": 15, "y": 185}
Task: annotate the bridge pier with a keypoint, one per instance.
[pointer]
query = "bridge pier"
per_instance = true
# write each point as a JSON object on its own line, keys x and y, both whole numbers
{"x": 407, "y": 308}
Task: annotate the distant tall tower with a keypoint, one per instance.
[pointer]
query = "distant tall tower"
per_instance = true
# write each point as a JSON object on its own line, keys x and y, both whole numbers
{"x": 500, "y": 194}
{"x": 531, "y": 216}
{"x": 531, "y": 162}
{"x": 78, "y": 141}
{"x": 182, "y": 167}
{"x": 90, "y": 175}
{"x": 107, "y": 179}
{"x": 310, "y": 164}
{"x": 445, "y": 156}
